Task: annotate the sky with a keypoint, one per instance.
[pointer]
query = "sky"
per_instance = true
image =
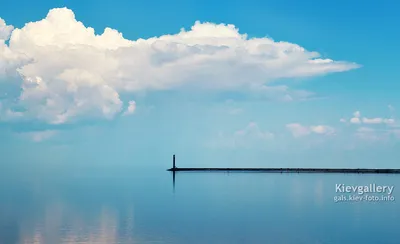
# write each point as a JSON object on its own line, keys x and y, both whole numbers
{"x": 246, "y": 83}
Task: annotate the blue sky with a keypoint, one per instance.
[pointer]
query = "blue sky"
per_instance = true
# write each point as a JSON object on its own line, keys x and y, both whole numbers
{"x": 209, "y": 94}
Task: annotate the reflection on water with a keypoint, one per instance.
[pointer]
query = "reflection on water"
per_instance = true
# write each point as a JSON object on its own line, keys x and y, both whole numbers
{"x": 60, "y": 226}
{"x": 143, "y": 207}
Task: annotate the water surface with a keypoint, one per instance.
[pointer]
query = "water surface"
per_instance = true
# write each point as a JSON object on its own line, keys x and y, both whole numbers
{"x": 110, "y": 205}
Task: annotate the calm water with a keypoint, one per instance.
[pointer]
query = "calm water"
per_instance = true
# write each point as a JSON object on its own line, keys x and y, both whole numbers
{"x": 106, "y": 205}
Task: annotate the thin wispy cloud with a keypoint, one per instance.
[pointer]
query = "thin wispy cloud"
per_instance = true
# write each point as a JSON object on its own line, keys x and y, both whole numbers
{"x": 298, "y": 130}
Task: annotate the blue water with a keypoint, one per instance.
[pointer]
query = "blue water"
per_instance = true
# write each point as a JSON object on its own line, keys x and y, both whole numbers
{"x": 105, "y": 204}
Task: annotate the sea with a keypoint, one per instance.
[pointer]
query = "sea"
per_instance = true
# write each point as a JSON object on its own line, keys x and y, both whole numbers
{"x": 104, "y": 203}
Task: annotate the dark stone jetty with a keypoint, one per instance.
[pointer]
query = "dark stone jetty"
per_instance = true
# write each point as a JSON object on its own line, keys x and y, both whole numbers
{"x": 295, "y": 170}
{"x": 288, "y": 170}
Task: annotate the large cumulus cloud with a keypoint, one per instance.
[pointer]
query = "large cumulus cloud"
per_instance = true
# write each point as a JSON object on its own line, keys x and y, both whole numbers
{"x": 67, "y": 72}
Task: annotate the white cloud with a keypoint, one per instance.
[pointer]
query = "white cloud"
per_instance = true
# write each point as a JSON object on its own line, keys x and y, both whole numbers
{"x": 389, "y": 121}
{"x": 250, "y": 136}
{"x": 376, "y": 135}
{"x": 232, "y": 107}
{"x": 322, "y": 129}
{"x": 5, "y": 30}
{"x": 370, "y": 134}
{"x": 254, "y": 131}
{"x": 342, "y": 120}
{"x": 9, "y": 60}
{"x": 39, "y": 136}
{"x": 7, "y": 114}
{"x": 355, "y": 120}
{"x": 358, "y": 120}
{"x": 235, "y": 111}
{"x": 378, "y": 121}
{"x": 365, "y": 129}
{"x": 372, "y": 120}
{"x": 280, "y": 92}
{"x": 69, "y": 72}
{"x": 299, "y": 130}
{"x": 131, "y": 108}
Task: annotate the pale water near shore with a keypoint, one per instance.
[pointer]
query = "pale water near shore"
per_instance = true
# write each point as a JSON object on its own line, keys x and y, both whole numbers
{"x": 99, "y": 205}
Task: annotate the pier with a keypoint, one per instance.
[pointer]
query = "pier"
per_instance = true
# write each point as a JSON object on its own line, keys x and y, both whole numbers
{"x": 287, "y": 170}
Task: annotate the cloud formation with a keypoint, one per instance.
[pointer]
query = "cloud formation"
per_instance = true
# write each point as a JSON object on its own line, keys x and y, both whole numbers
{"x": 375, "y": 129}
{"x": 377, "y": 121}
{"x": 298, "y": 130}
{"x": 371, "y": 134}
{"x": 280, "y": 92}
{"x": 357, "y": 119}
{"x": 39, "y": 136}
{"x": 250, "y": 136}
{"x": 131, "y": 108}
{"x": 5, "y": 30}
{"x": 253, "y": 130}
{"x": 67, "y": 72}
